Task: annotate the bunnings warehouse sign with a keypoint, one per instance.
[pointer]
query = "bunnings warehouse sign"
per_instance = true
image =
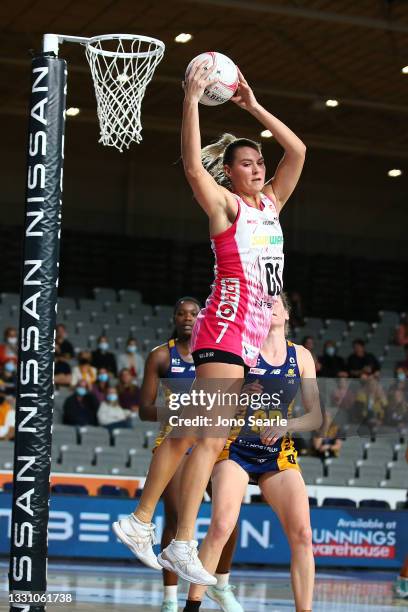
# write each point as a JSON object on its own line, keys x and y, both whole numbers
{"x": 81, "y": 527}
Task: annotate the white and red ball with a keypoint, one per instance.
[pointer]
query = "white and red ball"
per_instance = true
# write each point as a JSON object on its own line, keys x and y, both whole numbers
{"x": 225, "y": 71}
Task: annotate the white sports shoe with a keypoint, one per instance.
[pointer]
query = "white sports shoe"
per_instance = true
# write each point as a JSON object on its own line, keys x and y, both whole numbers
{"x": 139, "y": 537}
{"x": 182, "y": 559}
{"x": 225, "y": 598}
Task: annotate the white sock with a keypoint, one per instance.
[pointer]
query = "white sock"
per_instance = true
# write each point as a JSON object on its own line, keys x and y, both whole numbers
{"x": 139, "y": 522}
{"x": 170, "y": 593}
{"x": 222, "y": 580}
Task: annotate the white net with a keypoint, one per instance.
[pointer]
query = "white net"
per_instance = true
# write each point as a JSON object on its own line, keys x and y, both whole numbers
{"x": 122, "y": 66}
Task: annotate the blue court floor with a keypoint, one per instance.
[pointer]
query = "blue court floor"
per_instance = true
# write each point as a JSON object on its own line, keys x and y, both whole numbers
{"x": 98, "y": 588}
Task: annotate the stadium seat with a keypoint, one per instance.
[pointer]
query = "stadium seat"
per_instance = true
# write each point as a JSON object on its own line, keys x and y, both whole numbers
{"x": 339, "y": 501}
{"x": 131, "y": 296}
{"x": 111, "y": 456}
{"x": 92, "y": 436}
{"x": 113, "y": 491}
{"x": 374, "y": 503}
{"x": 129, "y": 438}
{"x": 68, "y": 489}
{"x": 104, "y": 294}
{"x": 140, "y": 463}
{"x": 76, "y": 454}
{"x": 64, "y": 434}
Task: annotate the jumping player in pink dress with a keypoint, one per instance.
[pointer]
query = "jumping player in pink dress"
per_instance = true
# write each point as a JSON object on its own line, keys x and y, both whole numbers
{"x": 228, "y": 181}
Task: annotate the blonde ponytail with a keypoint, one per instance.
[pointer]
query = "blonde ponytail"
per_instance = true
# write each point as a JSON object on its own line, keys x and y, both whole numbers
{"x": 212, "y": 157}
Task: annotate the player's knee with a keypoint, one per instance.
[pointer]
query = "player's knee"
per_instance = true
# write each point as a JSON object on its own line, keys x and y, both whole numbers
{"x": 212, "y": 445}
{"x": 221, "y": 528}
{"x": 301, "y": 535}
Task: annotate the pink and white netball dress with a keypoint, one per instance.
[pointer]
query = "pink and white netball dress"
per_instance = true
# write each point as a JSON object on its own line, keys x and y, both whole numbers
{"x": 248, "y": 277}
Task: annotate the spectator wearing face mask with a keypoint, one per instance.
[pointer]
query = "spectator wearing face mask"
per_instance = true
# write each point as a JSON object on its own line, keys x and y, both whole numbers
{"x": 8, "y": 376}
{"x": 101, "y": 386}
{"x": 111, "y": 414}
{"x": 9, "y": 349}
{"x": 331, "y": 364}
{"x": 84, "y": 370}
{"x": 129, "y": 393}
{"x": 360, "y": 359}
{"x": 81, "y": 407}
{"x": 7, "y": 416}
{"x": 133, "y": 361}
{"x": 103, "y": 358}
{"x": 343, "y": 396}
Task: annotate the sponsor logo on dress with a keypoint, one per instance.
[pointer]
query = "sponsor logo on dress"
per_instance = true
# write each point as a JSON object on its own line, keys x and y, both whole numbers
{"x": 266, "y": 240}
{"x": 230, "y": 293}
{"x": 292, "y": 360}
{"x": 177, "y": 369}
{"x": 258, "y": 371}
{"x": 276, "y": 371}
{"x": 175, "y": 361}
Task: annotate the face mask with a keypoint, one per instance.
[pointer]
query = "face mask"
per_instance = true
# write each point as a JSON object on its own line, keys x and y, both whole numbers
{"x": 401, "y": 376}
{"x": 132, "y": 348}
{"x": 10, "y": 367}
{"x": 112, "y": 397}
{"x": 103, "y": 377}
{"x": 330, "y": 351}
{"x": 12, "y": 340}
{"x": 81, "y": 391}
{"x": 103, "y": 346}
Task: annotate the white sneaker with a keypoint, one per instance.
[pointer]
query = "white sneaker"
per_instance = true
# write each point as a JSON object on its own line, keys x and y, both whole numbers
{"x": 225, "y": 598}
{"x": 169, "y": 606}
{"x": 182, "y": 559}
{"x": 139, "y": 537}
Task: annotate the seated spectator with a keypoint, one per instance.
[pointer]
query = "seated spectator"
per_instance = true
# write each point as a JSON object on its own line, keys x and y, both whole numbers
{"x": 359, "y": 360}
{"x": 327, "y": 440}
{"x": 370, "y": 401}
{"x": 403, "y": 365}
{"x": 343, "y": 396}
{"x": 129, "y": 393}
{"x": 62, "y": 371}
{"x": 81, "y": 407}
{"x": 297, "y": 318}
{"x": 7, "y": 416}
{"x": 63, "y": 347}
{"x": 9, "y": 348}
{"x": 397, "y": 409}
{"x": 8, "y": 377}
{"x": 132, "y": 360}
{"x": 84, "y": 370}
{"x": 102, "y": 358}
{"x": 308, "y": 343}
{"x": 111, "y": 414}
{"x": 101, "y": 386}
{"x": 401, "y": 334}
{"x": 331, "y": 364}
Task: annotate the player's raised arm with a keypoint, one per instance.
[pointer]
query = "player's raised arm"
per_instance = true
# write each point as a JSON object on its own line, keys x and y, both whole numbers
{"x": 290, "y": 167}
{"x": 208, "y": 193}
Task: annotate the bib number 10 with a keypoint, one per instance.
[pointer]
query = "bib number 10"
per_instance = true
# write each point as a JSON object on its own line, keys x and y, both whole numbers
{"x": 273, "y": 278}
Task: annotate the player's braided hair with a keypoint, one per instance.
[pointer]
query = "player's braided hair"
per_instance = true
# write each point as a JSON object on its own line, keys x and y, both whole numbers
{"x": 214, "y": 156}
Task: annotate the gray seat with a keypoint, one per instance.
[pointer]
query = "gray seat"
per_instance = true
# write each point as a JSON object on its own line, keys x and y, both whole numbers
{"x": 340, "y": 471}
{"x": 335, "y": 481}
{"x": 66, "y": 303}
{"x": 131, "y": 296}
{"x": 64, "y": 434}
{"x": 111, "y": 456}
{"x": 94, "y": 436}
{"x": 374, "y": 473}
{"x": 398, "y": 479}
{"x": 124, "y": 471}
{"x": 379, "y": 453}
{"x": 104, "y": 294}
{"x": 311, "y": 473}
{"x": 129, "y": 438}
{"x": 140, "y": 464}
{"x": 76, "y": 454}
